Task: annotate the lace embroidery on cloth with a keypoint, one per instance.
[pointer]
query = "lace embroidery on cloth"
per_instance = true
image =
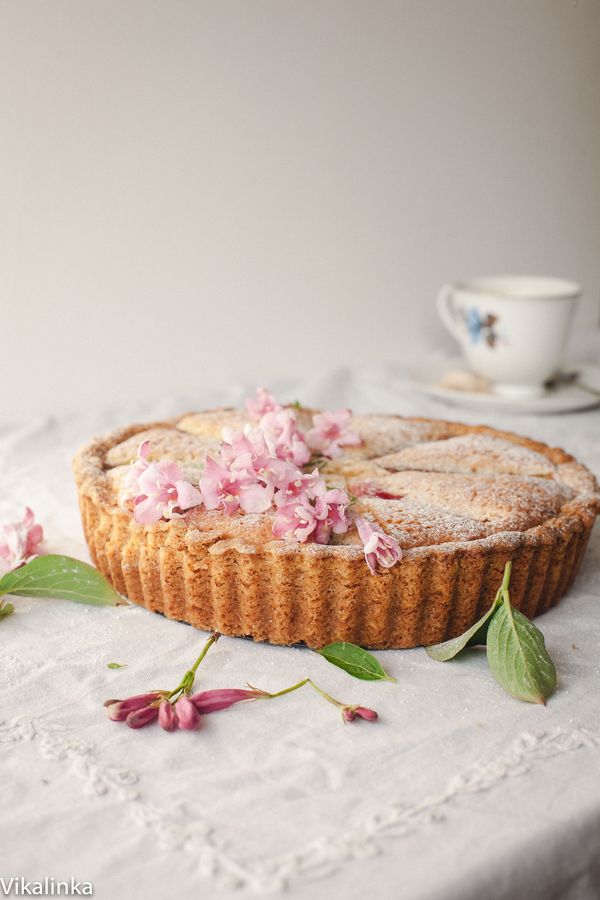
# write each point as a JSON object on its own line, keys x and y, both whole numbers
{"x": 320, "y": 857}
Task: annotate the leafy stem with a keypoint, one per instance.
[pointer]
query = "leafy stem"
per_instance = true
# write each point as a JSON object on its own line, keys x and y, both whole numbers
{"x": 506, "y": 579}
{"x": 515, "y": 647}
{"x": 349, "y": 713}
{"x": 266, "y": 695}
{"x": 187, "y": 682}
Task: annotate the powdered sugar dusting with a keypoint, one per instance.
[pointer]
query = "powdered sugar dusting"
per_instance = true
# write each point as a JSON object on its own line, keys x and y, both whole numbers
{"x": 455, "y": 484}
{"x": 472, "y": 452}
{"x": 386, "y": 434}
{"x": 415, "y": 524}
{"x": 512, "y": 502}
{"x": 577, "y": 478}
{"x": 165, "y": 443}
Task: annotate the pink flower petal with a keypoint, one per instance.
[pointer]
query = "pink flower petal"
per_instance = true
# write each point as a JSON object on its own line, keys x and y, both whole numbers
{"x": 140, "y": 717}
{"x": 283, "y": 438}
{"x": 255, "y": 498}
{"x": 147, "y": 511}
{"x": 221, "y": 698}
{"x": 19, "y": 541}
{"x": 331, "y": 431}
{"x": 350, "y": 713}
{"x": 295, "y": 520}
{"x": 167, "y": 716}
{"x": 263, "y": 402}
{"x": 158, "y": 490}
{"x": 380, "y": 549}
{"x": 118, "y": 710}
{"x": 188, "y": 496}
{"x": 187, "y": 715}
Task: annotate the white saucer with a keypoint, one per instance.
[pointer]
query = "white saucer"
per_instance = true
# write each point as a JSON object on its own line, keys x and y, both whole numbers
{"x": 563, "y": 398}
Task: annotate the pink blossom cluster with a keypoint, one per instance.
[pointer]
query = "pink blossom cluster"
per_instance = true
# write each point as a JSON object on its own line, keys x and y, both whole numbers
{"x": 184, "y": 713}
{"x": 263, "y": 402}
{"x": 330, "y": 432}
{"x": 157, "y": 490}
{"x": 283, "y": 437}
{"x": 261, "y": 469}
{"x": 311, "y": 512}
{"x": 19, "y": 542}
{"x": 247, "y": 474}
{"x": 248, "y": 477}
{"x": 181, "y": 709}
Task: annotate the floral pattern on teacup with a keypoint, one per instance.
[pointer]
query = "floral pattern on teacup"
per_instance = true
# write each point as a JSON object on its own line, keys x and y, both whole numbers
{"x": 479, "y": 327}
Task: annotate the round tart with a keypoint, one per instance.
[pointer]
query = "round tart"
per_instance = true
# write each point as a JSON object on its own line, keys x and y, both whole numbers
{"x": 460, "y": 501}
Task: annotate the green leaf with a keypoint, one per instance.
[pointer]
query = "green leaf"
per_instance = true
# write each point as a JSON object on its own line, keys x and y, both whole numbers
{"x": 355, "y": 661}
{"x": 116, "y": 665}
{"x": 477, "y": 633}
{"x": 59, "y": 577}
{"x": 473, "y": 636}
{"x": 6, "y": 609}
{"x": 518, "y": 657}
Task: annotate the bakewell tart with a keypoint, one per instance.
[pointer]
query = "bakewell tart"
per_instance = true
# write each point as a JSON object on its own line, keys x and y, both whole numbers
{"x": 291, "y": 525}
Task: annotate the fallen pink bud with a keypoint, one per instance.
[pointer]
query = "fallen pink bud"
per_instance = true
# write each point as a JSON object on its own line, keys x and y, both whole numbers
{"x": 140, "y": 717}
{"x": 350, "y": 713}
{"x": 188, "y": 717}
{"x": 167, "y": 716}
{"x": 222, "y": 698}
{"x": 118, "y": 710}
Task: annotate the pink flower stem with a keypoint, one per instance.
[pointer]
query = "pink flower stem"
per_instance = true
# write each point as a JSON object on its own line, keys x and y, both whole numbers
{"x": 187, "y": 682}
{"x": 265, "y": 695}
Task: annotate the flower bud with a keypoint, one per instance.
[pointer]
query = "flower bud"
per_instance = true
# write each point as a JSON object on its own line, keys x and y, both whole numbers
{"x": 167, "y": 716}
{"x": 188, "y": 716}
{"x": 140, "y": 717}
{"x": 221, "y": 698}
{"x": 363, "y": 712}
{"x": 350, "y": 713}
{"x": 118, "y": 710}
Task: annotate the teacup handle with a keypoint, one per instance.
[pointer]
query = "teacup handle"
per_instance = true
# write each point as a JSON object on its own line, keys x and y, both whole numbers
{"x": 446, "y": 314}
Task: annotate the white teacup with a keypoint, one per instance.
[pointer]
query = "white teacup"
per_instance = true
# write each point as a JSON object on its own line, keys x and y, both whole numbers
{"x": 512, "y": 329}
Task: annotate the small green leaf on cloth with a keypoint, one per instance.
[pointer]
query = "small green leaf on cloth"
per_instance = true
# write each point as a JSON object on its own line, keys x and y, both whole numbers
{"x": 60, "y": 577}
{"x": 113, "y": 665}
{"x": 517, "y": 656}
{"x": 355, "y": 661}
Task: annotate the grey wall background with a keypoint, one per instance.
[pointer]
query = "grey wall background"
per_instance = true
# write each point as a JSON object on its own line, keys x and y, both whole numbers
{"x": 198, "y": 191}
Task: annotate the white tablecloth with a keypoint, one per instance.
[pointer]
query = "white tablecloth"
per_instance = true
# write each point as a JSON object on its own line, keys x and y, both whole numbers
{"x": 458, "y": 792}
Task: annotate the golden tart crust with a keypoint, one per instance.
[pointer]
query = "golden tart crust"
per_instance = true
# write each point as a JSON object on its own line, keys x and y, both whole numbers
{"x": 464, "y": 500}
